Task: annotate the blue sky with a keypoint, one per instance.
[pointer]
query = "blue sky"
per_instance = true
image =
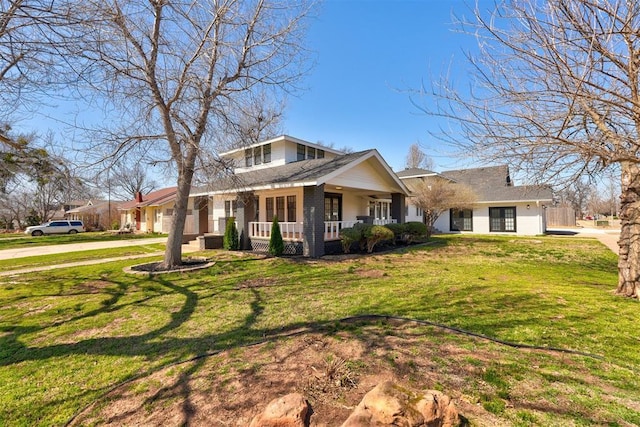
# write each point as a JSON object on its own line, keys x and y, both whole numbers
{"x": 369, "y": 53}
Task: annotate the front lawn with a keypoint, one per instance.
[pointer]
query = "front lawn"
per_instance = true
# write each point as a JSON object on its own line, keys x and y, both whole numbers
{"x": 96, "y": 336}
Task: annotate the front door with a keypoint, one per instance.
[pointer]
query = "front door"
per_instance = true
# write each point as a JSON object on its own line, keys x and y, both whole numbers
{"x": 332, "y": 207}
{"x": 203, "y": 215}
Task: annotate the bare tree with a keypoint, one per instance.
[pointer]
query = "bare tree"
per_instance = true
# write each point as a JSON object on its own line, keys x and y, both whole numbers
{"x": 576, "y": 196}
{"x": 557, "y": 89}
{"x": 174, "y": 69}
{"x": 416, "y": 158}
{"x": 28, "y": 49}
{"x": 125, "y": 179}
{"x": 436, "y": 196}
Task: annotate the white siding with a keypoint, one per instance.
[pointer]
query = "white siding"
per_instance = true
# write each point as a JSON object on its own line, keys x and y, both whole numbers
{"x": 365, "y": 177}
{"x": 529, "y": 222}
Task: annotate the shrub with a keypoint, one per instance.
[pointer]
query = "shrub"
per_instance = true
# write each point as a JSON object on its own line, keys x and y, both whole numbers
{"x": 276, "y": 244}
{"x": 348, "y": 236}
{"x": 398, "y": 230}
{"x": 230, "y": 240}
{"x": 376, "y": 234}
{"x": 415, "y": 230}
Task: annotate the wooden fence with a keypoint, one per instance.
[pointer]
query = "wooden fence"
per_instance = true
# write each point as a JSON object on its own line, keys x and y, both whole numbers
{"x": 561, "y": 217}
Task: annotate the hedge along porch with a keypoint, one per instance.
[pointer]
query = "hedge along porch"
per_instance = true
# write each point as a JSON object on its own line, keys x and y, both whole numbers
{"x": 313, "y": 199}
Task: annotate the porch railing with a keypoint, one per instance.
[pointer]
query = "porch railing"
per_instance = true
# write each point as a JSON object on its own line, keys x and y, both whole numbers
{"x": 289, "y": 230}
{"x": 294, "y": 230}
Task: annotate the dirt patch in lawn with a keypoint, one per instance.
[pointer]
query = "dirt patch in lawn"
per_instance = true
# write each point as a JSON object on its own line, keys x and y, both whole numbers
{"x": 333, "y": 370}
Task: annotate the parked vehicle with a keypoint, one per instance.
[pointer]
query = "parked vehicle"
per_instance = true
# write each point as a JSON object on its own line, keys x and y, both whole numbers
{"x": 56, "y": 227}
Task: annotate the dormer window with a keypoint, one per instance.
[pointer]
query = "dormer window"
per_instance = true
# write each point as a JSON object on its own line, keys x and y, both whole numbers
{"x": 266, "y": 153}
{"x": 311, "y": 153}
{"x": 257, "y": 155}
{"x": 301, "y": 152}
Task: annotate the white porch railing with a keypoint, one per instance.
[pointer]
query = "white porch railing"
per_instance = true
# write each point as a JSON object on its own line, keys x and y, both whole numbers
{"x": 384, "y": 221}
{"x": 294, "y": 230}
{"x": 289, "y": 230}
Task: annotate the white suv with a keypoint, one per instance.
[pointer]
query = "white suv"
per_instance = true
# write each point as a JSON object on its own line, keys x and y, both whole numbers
{"x": 56, "y": 227}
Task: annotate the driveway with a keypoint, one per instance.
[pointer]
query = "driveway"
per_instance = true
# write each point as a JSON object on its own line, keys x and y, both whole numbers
{"x": 607, "y": 236}
{"x": 75, "y": 247}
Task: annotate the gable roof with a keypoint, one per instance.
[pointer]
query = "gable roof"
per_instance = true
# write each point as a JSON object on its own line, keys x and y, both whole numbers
{"x": 494, "y": 184}
{"x": 155, "y": 198}
{"x": 490, "y": 184}
{"x": 297, "y": 174}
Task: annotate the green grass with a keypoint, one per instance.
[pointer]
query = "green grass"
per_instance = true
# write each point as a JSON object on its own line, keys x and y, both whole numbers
{"x": 68, "y": 335}
{"x": 11, "y": 241}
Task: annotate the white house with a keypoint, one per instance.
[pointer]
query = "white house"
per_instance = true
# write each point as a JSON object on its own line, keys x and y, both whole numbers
{"x": 501, "y": 207}
{"x": 313, "y": 190}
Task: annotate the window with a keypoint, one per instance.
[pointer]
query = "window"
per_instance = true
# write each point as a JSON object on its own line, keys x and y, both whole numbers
{"x": 301, "y": 152}
{"x": 332, "y": 207}
{"x": 248, "y": 157}
{"x": 502, "y": 219}
{"x": 269, "y": 208}
{"x": 280, "y": 208}
{"x": 461, "y": 220}
{"x": 380, "y": 210}
{"x": 311, "y": 153}
{"x": 320, "y": 154}
{"x": 257, "y": 155}
{"x": 266, "y": 153}
{"x": 419, "y": 211}
{"x": 230, "y": 208}
{"x": 291, "y": 208}
{"x": 169, "y": 212}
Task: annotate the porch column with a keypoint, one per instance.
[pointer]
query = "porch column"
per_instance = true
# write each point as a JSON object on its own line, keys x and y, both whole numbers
{"x": 313, "y": 225}
{"x": 246, "y": 212}
{"x": 398, "y": 207}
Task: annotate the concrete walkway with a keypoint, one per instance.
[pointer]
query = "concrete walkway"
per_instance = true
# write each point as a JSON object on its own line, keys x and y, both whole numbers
{"x": 76, "y": 247}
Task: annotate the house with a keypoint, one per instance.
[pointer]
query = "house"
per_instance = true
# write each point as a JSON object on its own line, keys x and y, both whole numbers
{"x": 150, "y": 212}
{"x": 94, "y": 213}
{"x": 501, "y": 206}
{"x": 313, "y": 190}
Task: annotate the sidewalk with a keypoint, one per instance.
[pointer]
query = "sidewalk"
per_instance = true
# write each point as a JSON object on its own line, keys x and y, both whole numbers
{"x": 75, "y": 247}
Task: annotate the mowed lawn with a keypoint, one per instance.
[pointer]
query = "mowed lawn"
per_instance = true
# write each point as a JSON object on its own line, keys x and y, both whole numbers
{"x": 68, "y": 336}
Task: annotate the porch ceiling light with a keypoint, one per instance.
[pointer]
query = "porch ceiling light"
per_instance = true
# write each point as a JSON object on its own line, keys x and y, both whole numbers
{"x": 338, "y": 188}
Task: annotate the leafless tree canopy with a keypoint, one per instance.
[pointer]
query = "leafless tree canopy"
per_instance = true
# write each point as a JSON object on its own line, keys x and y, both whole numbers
{"x": 556, "y": 86}
{"x": 436, "y": 196}
{"x": 416, "y": 158}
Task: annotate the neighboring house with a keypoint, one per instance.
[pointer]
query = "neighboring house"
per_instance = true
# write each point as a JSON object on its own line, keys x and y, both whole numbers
{"x": 313, "y": 190}
{"x": 151, "y": 212}
{"x": 93, "y": 213}
{"x": 501, "y": 207}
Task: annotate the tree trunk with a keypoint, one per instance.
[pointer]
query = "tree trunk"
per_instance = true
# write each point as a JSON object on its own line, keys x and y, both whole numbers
{"x": 629, "y": 258}
{"x": 173, "y": 252}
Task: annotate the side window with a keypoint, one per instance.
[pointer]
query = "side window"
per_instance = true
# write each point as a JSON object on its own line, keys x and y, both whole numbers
{"x": 76, "y": 223}
{"x": 59, "y": 224}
